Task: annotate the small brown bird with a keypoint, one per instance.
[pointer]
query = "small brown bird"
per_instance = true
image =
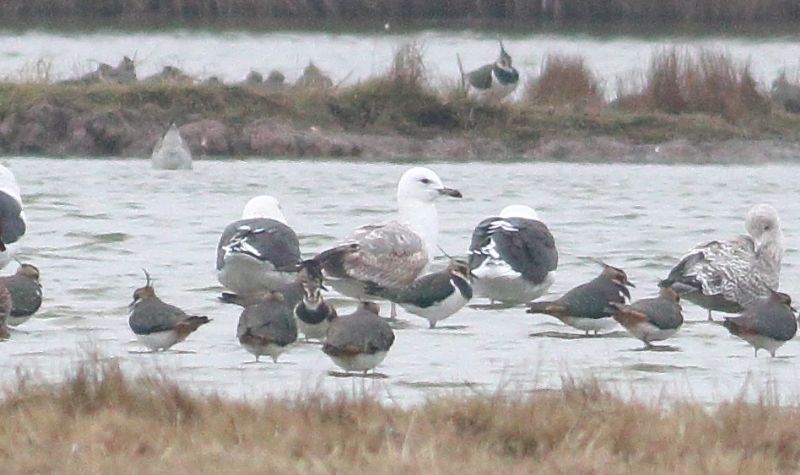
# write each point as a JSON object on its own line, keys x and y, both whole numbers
{"x": 267, "y": 327}
{"x": 359, "y": 341}
{"x": 158, "y": 325}
{"x": 26, "y": 293}
{"x": 768, "y": 323}
{"x": 652, "y": 319}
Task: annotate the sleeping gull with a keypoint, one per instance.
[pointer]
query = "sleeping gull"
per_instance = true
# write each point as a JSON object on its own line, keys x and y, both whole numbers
{"x": 258, "y": 252}
{"x": 726, "y": 276}
{"x": 395, "y": 253}
{"x": 513, "y": 256}
{"x": 12, "y": 218}
{"x": 171, "y": 152}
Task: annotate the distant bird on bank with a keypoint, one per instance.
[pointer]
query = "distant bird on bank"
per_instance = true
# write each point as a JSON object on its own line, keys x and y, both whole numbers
{"x": 652, "y": 319}
{"x": 492, "y": 82}
{"x": 435, "y": 296}
{"x": 588, "y": 307}
{"x": 171, "y": 152}
{"x": 26, "y": 293}
{"x": 158, "y": 325}
{"x": 726, "y": 276}
{"x": 12, "y": 217}
{"x": 513, "y": 256}
{"x": 258, "y": 252}
{"x": 359, "y": 341}
{"x": 767, "y": 323}
{"x": 267, "y": 327}
{"x": 395, "y": 253}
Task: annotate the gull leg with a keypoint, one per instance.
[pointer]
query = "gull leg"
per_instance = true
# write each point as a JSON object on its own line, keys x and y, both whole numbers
{"x": 710, "y": 318}
{"x": 393, "y": 312}
{"x": 756, "y": 352}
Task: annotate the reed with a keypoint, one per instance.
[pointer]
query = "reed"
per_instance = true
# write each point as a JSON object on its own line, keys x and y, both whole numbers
{"x": 564, "y": 81}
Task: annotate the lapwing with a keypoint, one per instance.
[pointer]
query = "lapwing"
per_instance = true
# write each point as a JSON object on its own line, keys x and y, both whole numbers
{"x": 5, "y": 312}
{"x": 171, "y": 152}
{"x": 513, "y": 256}
{"x": 652, "y": 319}
{"x": 726, "y": 276}
{"x": 588, "y": 307}
{"x": 156, "y": 324}
{"x": 359, "y": 341}
{"x": 492, "y": 82}
{"x": 435, "y": 296}
{"x": 312, "y": 311}
{"x": 26, "y": 293}
{"x": 12, "y": 217}
{"x": 258, "y": 252}
{"x": 767, "y": 323}
{"x": 395, "y": 253}
{"x": 267, "y": 327}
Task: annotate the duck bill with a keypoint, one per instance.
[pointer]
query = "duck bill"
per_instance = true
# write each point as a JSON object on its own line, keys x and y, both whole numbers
{"x": 450, "y": 192}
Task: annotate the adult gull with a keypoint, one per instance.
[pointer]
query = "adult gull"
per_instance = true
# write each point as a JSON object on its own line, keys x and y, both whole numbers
{"x": 513, "y": 256}
{"x": 258, "y": 252}
{"x": 726, "y": 276}
{"x": 395, "y": 253}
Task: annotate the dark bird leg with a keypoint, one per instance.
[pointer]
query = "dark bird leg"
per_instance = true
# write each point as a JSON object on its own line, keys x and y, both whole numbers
{"x": 393, "y": 312}
{"x": 710, "y": 318}
{"x": 431, "y": 324}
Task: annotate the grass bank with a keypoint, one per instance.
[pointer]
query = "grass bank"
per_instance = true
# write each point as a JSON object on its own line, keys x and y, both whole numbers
{"x": 100, "y": 421}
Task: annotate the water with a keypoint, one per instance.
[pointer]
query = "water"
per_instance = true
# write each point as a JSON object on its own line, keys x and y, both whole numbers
{"x": 94, "y": 224}
{"x": 231, "y": 55}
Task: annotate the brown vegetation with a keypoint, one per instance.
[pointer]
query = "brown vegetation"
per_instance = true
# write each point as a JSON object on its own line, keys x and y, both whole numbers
{"x": 565, "y": 80}
{"x": 678, "y": 11}
{"x": 100, "y": 421}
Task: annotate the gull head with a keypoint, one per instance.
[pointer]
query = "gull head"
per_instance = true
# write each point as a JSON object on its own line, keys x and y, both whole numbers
{"x": 423, "y": 185}
{"x": 263, "y": 206}
{"x": 519, "y": 211}
{"x": 764, "y": 226}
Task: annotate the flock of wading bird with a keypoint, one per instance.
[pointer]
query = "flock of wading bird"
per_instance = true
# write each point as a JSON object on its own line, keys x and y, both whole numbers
{"x": 511, "y": 260}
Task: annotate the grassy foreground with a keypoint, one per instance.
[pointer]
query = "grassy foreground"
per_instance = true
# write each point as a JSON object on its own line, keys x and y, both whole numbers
{"x": 100, "y": 421}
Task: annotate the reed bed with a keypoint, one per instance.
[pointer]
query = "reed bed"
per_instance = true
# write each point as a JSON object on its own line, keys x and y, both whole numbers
{"x": 677, "y": 11}
{"x": 565, "y": 81}
{"x": 101, "y": 421}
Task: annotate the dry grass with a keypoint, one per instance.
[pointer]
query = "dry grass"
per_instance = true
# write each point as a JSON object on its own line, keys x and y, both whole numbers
{"x": 99, "y": 421}
{"x": 565, "y": 81}
{"x": 705, "y": 82}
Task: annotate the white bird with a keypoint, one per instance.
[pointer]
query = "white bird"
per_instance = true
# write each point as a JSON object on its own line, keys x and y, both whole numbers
{"x": 513, "y": 256}
{"x": 726, "y": 276}
{"x": 258, "y": 252}
{"x": 395, "y": 253}
{"x": 171, "y": 152}
{"x": 12, "y": 217}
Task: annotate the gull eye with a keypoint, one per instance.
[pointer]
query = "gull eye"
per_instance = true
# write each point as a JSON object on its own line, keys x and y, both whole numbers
{"x": 767, "y": 227}
{"x": 426, "y": 181}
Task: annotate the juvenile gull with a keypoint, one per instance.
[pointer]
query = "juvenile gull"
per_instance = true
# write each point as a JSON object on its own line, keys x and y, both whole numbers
{"x": 726, "y": 276}
{"x": 159, "y": 325}
{"x": 26, "y": 293}
{"x": 513, "y": 256}
{"x": 267, "y": 327}
{"x": 359, "y": 341}
{"x": 435, "y": 296}
{"x": 588, "y": 307}
{"x": 767, "y": 323}
{"x": 12, "y": 217}
{"x": 652, "y": 319}
{"x": 171, "y": 152}
{"x": 395, "y": 253}
{"x": 258, "y": 252}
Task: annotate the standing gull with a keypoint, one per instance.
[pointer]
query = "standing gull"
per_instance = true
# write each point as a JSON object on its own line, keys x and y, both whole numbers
{"x": 159, "y": 325}
{"x": 26, "y": 293}
{"x": 395, "y": 253}
{"x": 258, "y": 252}
{"x": 171, "y": 152}
{"x": 588, "y": 307}
{"x": 652, "y": 319}
{"x": 12, "y": 218}
{"x": 767, "y": 323}
{"x": 513, "y": 256}
{"x": 726, "y": 276}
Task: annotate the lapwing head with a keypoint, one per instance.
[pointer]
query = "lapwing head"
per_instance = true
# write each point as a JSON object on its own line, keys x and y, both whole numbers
{"x": 422, "y": 184}
{"x": 764, "y": 225}
{"x": 143, "y": 293}
{"x": 504, "y": 60}
{"x": 460, "y": 268}
{"x": 669, "y": 293}
{"x": 264, "y": 206}
{"x": 310, "y": 278}
{"x": 781, "y": 298}
{"x": 28, "y": 270}
{"x": 617, "y": 275}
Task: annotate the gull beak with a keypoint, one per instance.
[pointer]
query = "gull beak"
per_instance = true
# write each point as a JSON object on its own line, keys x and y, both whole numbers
{"x": 450, "y": 192}
{"x": 629, "y": 283}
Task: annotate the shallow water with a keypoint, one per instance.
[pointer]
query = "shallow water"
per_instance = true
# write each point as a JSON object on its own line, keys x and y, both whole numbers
{"x": 231, "y": 54}
{"x": 93, "y": 224}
